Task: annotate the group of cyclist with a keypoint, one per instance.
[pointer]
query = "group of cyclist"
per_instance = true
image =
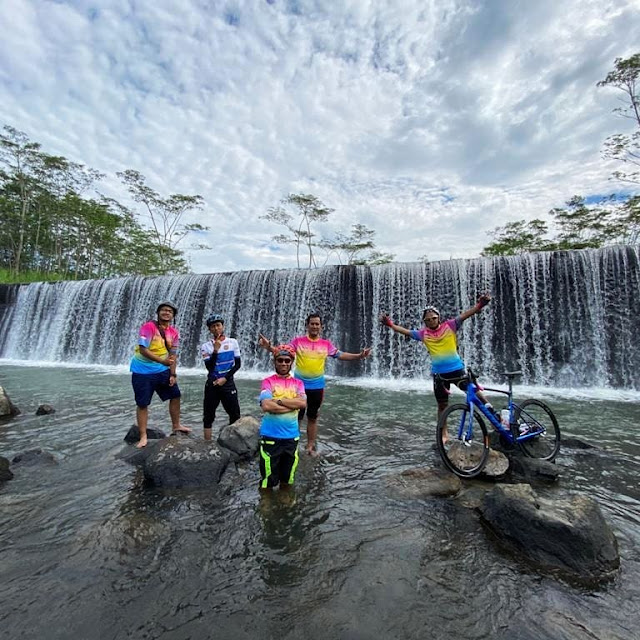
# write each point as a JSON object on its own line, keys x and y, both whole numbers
{"x": 285, "y": 398}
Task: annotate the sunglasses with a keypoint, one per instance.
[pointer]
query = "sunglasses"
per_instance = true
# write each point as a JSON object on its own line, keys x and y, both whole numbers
{"x": 283, "y": 360}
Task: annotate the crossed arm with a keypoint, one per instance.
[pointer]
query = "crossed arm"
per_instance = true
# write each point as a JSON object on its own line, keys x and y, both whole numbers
{"x": 284, "y": 405}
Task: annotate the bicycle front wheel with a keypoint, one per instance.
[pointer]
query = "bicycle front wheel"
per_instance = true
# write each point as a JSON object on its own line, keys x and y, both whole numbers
{"x": 463, "y": 443}
{"x": 539, "y": 431}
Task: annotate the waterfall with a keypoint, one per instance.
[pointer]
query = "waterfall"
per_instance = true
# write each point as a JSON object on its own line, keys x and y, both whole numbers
{"x": 567, "y": 318}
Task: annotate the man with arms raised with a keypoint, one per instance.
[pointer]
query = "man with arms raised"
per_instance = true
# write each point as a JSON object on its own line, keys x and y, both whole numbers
{"x": 153, "y": 369}
{"x": 312, "y": 352}
{"x": 281, "y": 397}
{"x": 440, "y": 340}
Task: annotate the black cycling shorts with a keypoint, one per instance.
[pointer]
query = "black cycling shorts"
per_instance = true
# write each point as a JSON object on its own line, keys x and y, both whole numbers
{"x": 314, "y": 400}
{"x": 278, "y": 461}
{"x": 442, "y": 384}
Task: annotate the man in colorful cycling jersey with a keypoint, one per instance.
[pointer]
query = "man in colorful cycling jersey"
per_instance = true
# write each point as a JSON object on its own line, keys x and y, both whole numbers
{"x": 312, "y": 352}
{"x": 281, "y": 397}
{"x": 440, "y": 340}
{"x": 221, "y": 356}
{"x": 153, "y": 369}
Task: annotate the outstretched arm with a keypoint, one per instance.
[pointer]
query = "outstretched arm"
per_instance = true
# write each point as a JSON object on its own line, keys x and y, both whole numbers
{"x": 264, "y": 342}
{"x": 387, "y": 321}
{"x": 483, "y": 301}
{"x": 345, "y": 355}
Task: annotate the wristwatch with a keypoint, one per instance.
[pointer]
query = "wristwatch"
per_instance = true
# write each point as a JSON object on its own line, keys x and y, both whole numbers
{"x": 278, "y": 401}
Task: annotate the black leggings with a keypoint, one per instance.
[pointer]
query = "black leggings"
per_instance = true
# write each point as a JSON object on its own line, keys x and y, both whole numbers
{"x": 213, "y": 395}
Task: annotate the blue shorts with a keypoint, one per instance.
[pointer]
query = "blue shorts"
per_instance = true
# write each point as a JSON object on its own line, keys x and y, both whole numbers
{"x": 144, "y": 384}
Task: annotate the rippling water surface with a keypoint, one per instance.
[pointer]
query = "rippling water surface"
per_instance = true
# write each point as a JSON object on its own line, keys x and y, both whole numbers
{"x": 87, "y": 551}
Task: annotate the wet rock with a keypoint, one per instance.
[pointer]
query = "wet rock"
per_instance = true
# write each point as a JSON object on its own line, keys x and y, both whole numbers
{"x": 242, "y": 437}
{"x": 5, "y": 472}
{"x": 33, "y": 457}
{"x": 181, "y": 462}
{"x": 424, "y": 483}
{"x": 45, "y": 410}
{"x": 497, "y": 465}
{"x": 576, "y": 443}
{"x": 533, "y": 470}
{"x": 136, "y": 456}
{"x": 133, "y": 435}
{"x": 569, "y": 538}
{"x": 7, "y": 408}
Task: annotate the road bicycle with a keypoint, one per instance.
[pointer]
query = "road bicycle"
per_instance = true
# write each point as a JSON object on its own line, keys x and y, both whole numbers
{"x": 462, "y": 438}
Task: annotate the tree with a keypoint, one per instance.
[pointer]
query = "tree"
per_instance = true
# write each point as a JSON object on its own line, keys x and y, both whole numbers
{"x": 309, "y": 210}
{"x": 582, "y": 226}
{"x": 622, "y": 147}
{"x": 350, "y": 247}
{"x": 165, "y": 214}
{"x": 518, "y": 237}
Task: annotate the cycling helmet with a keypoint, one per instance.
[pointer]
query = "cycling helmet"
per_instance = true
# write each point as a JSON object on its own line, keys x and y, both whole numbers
{"x": 284, "y": 350}
{"x": 432, "y": 309}
{"x": 214, "y": 317}
{"x": 167, "y": 304}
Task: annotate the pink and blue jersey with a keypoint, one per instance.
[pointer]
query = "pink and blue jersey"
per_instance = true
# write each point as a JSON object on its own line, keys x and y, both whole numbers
{"x": 442, "y": 345}
{"x": 311, "y": 356}
{"x": 281, "y": 425}
{"x": 151, "y": 339}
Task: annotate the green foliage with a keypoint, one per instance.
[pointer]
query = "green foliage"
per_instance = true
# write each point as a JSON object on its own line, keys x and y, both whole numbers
{"x": 518, "y": 237}
{"x": 307, "y": 209}
{"x": 350, "y": 248}
{"x": 51, "y": 231}
{"x": 626, "y": 147}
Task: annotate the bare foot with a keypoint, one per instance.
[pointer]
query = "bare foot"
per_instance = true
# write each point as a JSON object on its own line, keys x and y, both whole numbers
{"x": 182, "y": 429}
{"x": 312, "y": 452}
{"x": 142, "y": 443}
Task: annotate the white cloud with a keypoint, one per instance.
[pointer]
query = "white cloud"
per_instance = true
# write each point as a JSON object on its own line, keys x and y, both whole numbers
{"x": 432, "y": 122}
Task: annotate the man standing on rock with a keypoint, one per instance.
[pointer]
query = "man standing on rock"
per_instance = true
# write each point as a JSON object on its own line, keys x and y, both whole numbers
{"x": 221, "y": 356}
{"x": 281, "y": 397}
{"x": 312, "y": 352}
{"x": 153, "y": 369}
{"x": 440, "y": 340}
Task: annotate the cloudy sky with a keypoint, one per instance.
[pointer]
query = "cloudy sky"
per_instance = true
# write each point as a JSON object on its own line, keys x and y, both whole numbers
{"x": 430, "y": 121}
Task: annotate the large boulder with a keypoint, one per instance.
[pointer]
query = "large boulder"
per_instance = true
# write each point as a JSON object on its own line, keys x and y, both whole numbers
{"x": 242, "y": 437}
{"x": 533, "y": 470}
{"x": 133, "y": 435}
{"x": 5, "y": 472}
{"x": 7, "y": 408}
{"x": 182, "y": 462}
{"x": 424, "y": 483}
{"x": 569, "y": 537}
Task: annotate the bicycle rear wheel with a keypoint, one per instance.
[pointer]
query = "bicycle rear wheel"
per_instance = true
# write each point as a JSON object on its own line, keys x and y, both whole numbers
{"x": 538, "y": 419}
{"x": 463, "y": 445}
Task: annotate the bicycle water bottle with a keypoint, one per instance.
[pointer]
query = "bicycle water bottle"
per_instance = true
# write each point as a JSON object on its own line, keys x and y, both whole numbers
{"x": 504, "y": 418}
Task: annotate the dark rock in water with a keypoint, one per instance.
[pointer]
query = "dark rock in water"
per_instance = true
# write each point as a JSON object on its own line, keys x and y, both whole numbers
{"x": 133, "y": 435}
{"x": 534, "y": 470}
{"x": 34, "y": 456}
{"x": 424, "y": 483}
{"x": 576, "y": 443}
{"x": 5, "y": 472}
{"x": 45, "y": 410}
{"x": 7, "y": 408}
{"x": 181, "y": 462}
{"x": 136, "y": 456}
{"x": 569, "y": 538}
{"x": 242, "y": 437}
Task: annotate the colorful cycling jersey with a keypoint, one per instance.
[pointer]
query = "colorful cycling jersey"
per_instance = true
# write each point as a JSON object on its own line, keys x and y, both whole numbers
{"x": 442, "y": 345}
{"x": 281, "y": 425}
{"x": 151, "y": 339}
{"x": 228, "y": 352}
{"x": 311, "y": 356}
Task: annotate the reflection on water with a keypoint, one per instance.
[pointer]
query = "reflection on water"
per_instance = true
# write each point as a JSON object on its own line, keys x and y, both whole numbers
{"x": 87, "y": 551}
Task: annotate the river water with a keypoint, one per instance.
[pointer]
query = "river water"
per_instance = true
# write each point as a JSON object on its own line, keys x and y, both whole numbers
{"x": 87, "y": 551}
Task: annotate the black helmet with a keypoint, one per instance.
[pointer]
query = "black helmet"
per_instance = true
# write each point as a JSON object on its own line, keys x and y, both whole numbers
{"x": 167, "y": 304}
{"x": 214, "y": 317}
